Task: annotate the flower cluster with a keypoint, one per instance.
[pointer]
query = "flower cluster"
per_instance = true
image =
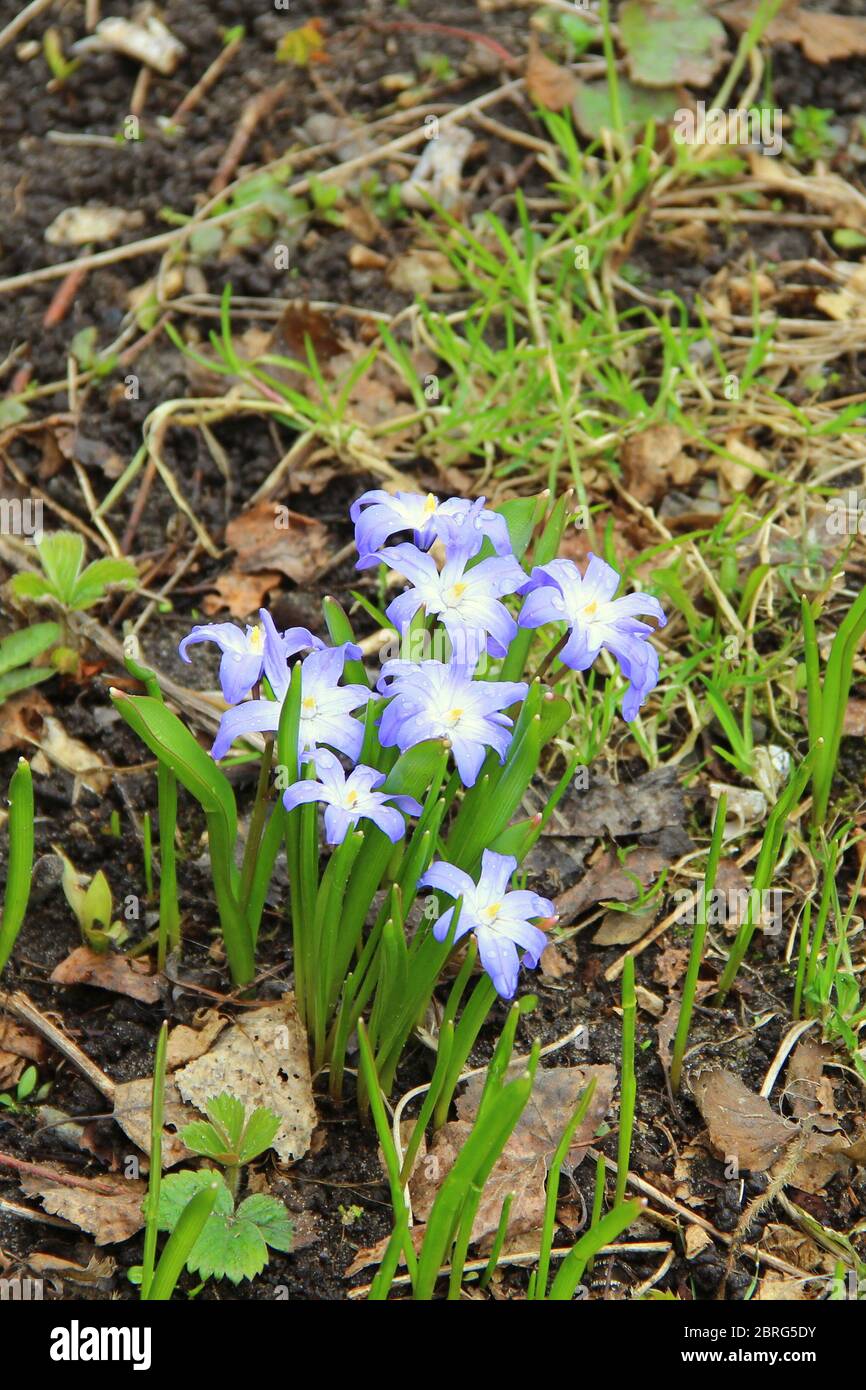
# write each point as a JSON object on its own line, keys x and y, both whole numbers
{"x": 461, "y": 569}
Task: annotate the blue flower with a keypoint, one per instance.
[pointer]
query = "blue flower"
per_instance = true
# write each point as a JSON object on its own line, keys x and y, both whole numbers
{"x": 466, "y": 601}
{"x": 559, "y": 593}
{"x": 326, "y": 706}
{"x": 349, "y": 799}
{"x": 499, "y": 918}
{"x": 430, "y": 699}
{"x": 247, "y": 654}
{"x": 378, "y": 515}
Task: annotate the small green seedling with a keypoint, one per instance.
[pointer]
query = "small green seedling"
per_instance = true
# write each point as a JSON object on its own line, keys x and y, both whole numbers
{"x": 18, "y": 650}
{"x": 90, "y": 900}
{"x": 64, "y": 580}
{"x": 25, "y": 1091}
{"x": 235, "y": 1239}
{"x": 20, "y": 863}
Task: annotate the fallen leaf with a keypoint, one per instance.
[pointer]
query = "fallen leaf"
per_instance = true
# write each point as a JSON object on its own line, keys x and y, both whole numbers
{"x": 649, "y": 803}
{"x": 594, "y": 113}
{"x": 554, "y": 964}
{"x": 824, "y": 38}
{"x": 671, "y": 41}
{"x": 652, "y": 460}
{"x": 622, "y": 928}
{"x": 270, "y": 537}
{"x": 807, "y": 1089}
{"x": 108, "y": 1207}
{"x": 652, "y": 1003}
{"x": 145, "y": 39}
{"x": 73, "y": 756}
{"x": 241, "y": 594}
{"x": 741, "y": 1125}
{"x": 109, "y": 971}
{"x": 22, "y": 718}
{"x": 609, "y": 880}
{"x": 185, "y": 1044}
{"x": 547, "y": 82}
{"x": 849, "y": 302}
{"x": 302, "y": 45}
{"x": 739, "y": 471}
{"x": 91, "y": 225}
{"x": 421, "y": 273}
{"x": 262, "y": 1060}
{"x": 522, "y": 1167}
{"x": 132, "y": 1101}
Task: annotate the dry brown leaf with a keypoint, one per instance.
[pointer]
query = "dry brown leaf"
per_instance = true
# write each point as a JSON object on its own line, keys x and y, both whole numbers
{"x": 623, "y": 928}
{"x": 422, "y": 272}
{"x": 608, "y": 880}
{"x": 22, "y": 718}
{"x": 109, "y": 971}
{"x": 108, "y": 1207}
{"x": 824, "y": 38}
{"x": 185, "y": 1044}
{"x": 741, "y": 1125}
{"x": 270, "y": 537}
{"x": 262, "y": 1060}
{"x": 546, "y": 82}
{"x": 848, "y": 303}
{"x": 241, "y": 594}
{"x": 18, "y": 1048}
{"x": 70, "y": 754}
{"x": 736, "y": 471}
{"x": 652, "y": 460}
{"x": 132, "y": 1112}
{"x": 523, "y": 1165}
{"x": 554, "y": 964}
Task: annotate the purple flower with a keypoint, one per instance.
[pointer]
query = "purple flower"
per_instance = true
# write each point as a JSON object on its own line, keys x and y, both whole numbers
{"x": 559, "y": 593}
{"x": 433, "y": 700}
{"x": 246, "y": 655}
{"x": 378, "y": 515}
{"x": 326, "y": 706}
{"x": 466, "y": 601}
{"x": 348, "y": 799}
{"x": 499, "y": 918}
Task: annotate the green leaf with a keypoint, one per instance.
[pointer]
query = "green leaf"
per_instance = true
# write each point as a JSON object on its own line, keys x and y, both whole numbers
{"x": 26, "y": 1083}
{"x": 92, "y": 585}
{"x": 202, "y": 1138}
{"x": 521, "y": 514}
{"x": 186, "y": 1232}
{"x": 594, "y": 113}
{"x": 177, "y": 1189}
{"x": 96, "y": 905}
{"x": 259, "y": 1133}
{"x": 671, "y": 41}
{"x": 13, "y": 681}
{"x": 228, "y": 1248}
{"x": 20, "y": 648}
{"x": 170, "y": 741}
{"x": 34, "y": 586}
{"x": 62, "y": 556}
{"x": 227, "y": 1114}
{"x": 269, "y": 1215}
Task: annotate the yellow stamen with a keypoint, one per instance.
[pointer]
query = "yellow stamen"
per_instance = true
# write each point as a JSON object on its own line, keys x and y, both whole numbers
{"x": 308, "y": 703}
{"x": 591, "y": 608}
{"x": 257, "y": 638}
{"x": 430, "y": 504}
